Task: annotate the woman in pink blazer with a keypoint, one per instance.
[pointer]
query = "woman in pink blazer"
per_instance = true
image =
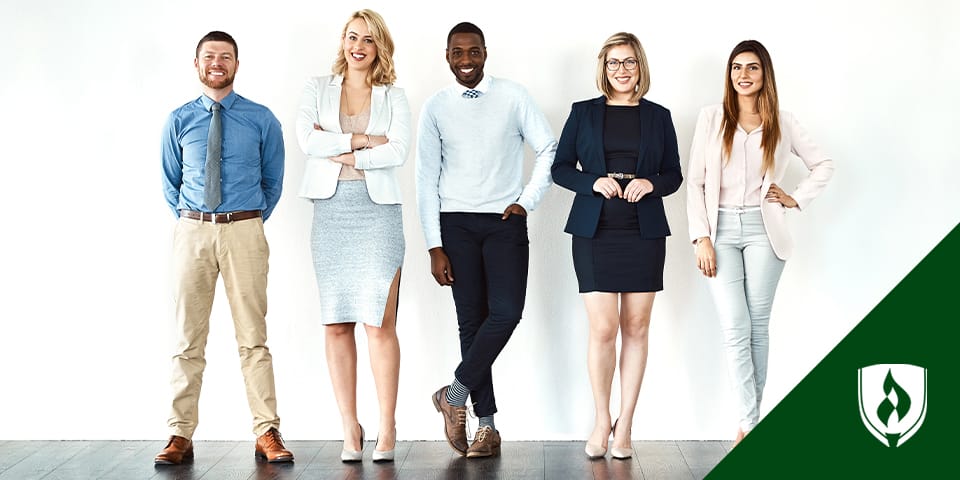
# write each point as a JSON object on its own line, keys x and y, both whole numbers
{"x": 736, "y": 211}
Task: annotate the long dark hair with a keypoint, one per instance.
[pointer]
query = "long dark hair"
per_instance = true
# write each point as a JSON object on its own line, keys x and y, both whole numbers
{"x": 767, "y": 104}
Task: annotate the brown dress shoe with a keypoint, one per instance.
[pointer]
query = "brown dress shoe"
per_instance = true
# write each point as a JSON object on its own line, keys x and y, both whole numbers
{"x": 177, "y": 450}
{"x": 454, "y": 421}
{"x": 485, "y": 444}
{"x": 270, "y": 447}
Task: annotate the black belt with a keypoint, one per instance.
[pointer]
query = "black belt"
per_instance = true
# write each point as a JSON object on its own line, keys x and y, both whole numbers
{"x": 220, "y": 217}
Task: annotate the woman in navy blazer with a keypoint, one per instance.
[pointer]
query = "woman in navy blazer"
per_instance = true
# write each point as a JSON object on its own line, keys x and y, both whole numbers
{"x": 626, "y": 147}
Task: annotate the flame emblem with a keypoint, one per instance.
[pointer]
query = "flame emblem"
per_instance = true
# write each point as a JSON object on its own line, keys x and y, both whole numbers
{"x": 893, "y": 401}
{"x": 887, "y": 407}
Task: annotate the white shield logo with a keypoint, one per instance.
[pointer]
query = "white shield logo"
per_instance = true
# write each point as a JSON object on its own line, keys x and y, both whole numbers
{"x": 893, "y": 401}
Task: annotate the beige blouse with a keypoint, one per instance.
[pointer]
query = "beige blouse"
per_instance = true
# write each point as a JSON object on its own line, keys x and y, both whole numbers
{"x": 740, "y": 178}
{"x": 353, "y": 124}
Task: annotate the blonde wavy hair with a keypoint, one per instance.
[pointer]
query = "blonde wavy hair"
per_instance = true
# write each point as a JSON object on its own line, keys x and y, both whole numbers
{"x": 381, "y": 72}
{"x": 615, "y": 40}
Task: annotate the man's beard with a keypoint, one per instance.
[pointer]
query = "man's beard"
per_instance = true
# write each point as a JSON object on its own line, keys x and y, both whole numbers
{"x": 216, "y": 82}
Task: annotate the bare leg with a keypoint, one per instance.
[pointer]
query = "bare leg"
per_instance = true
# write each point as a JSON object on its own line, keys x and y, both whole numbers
{"x": 385, "y": 363}
{"x": 634, "y": 327}
{"x": 341, "y": 349}
{"x": 601, "y": 358}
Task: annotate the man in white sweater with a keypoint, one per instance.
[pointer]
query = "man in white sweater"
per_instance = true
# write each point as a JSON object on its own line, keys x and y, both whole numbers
{"x": 473, "y": 208}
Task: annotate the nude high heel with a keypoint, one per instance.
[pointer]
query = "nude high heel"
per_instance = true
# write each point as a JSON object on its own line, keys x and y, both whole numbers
{"x": 386, "y": 455}
{"x": 597, "y": 451}
{"x": 594, "y": 451}
{"x": 353, "y": 455}
{"x": 620, "y": 453}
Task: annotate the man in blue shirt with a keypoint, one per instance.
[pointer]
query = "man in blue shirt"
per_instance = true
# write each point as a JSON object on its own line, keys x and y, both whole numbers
{"x": 473, "y": 210}
{"x": 221, "y": 201}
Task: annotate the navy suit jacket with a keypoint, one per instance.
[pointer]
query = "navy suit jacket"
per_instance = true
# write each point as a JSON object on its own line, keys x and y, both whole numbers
{"x": 582, "y": 142}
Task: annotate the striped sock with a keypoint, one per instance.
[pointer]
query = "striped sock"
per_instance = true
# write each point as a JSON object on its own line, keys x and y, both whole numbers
{"x": 457, "y": 394}
{"x": 487, "y": 422}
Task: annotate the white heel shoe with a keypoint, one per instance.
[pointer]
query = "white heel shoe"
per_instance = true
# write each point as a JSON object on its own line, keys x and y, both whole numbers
{"x": 353, "y": 455}
{"x": 616, "y": 452}
{"x": 594, "y": 451}
{"x": 385, "y": 455}
{"x": 621, "y": 453}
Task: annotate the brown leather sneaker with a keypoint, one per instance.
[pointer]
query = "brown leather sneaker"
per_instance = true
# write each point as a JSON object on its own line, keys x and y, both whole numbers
{"x": 177, "y": 450}
{"x": 485, "y": 444}
{"x": 270, "y": 447}
{"x": 454, "y": 421}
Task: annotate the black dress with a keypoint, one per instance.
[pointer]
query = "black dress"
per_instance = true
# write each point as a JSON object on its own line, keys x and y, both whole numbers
{"x": 617, "y": 259}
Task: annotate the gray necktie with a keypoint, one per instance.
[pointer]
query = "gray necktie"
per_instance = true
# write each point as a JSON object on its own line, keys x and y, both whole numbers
{"x": 211, "y": 181}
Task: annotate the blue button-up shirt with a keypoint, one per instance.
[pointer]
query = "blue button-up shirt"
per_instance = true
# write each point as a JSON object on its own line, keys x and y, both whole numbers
{"x": 251, "y": 169}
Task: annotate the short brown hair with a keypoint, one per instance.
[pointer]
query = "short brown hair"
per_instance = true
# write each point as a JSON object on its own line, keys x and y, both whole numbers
{"x": 217, "y": 36}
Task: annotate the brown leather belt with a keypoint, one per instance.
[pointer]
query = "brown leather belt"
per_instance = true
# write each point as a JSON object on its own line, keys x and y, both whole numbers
{"x": 220, "y": 217}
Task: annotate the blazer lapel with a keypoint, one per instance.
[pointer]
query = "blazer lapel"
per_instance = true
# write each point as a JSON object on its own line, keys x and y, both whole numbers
{"x": 597, "y": 110}
{"x": 646, "y": 131}
{"x": 377, "y": 99}
{"x": 330, "y": 113}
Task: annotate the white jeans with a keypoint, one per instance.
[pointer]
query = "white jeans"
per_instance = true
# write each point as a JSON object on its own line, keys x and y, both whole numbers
{"x": 747, "y": 275}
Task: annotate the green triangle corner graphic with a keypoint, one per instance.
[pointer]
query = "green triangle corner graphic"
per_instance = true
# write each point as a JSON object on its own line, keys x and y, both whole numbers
{"x": 816, "y": 430}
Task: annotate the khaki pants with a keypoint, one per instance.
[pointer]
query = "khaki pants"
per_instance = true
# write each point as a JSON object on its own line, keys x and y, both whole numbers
{"x": 239, "y": 252}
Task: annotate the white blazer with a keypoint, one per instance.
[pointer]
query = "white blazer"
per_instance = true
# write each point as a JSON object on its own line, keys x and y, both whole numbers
{"x": 389, "y": 116}
{"x": 703, "y": 178}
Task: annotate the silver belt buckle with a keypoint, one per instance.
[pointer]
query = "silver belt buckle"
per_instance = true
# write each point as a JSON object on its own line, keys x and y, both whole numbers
{"x": 618, "y": 175}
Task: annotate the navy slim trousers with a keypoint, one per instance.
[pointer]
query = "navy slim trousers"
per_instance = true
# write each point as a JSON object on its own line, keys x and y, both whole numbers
{"x": 489, "y": 259}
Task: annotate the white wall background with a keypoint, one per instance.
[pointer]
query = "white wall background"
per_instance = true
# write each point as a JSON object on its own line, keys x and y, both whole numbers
{"x": 86, "y": 319}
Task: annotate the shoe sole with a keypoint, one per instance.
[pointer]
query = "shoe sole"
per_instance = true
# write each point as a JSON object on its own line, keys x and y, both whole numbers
{"x": 186, "y": 459}
{"x": 436, "y": 404}
{"x": 496, "y": 453}
{"x": 382, "y": 456}
{"x": 263, "y": 457}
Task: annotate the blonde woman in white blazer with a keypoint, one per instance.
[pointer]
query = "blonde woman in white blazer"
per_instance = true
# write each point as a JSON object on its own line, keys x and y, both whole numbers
{"x": 736, "y": 211}
{"x": 354, "y": 127}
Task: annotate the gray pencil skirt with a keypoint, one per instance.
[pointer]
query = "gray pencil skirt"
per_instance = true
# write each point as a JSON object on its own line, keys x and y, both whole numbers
{"x": 357, "y": 248}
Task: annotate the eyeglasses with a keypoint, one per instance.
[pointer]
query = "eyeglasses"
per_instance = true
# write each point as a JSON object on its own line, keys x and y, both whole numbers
{"x": 613, "y": 64}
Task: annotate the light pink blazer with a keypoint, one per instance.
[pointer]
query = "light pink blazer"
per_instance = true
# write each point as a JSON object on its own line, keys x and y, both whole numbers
{"x": 389, "y": 115}
{"x": 703, "y": 177}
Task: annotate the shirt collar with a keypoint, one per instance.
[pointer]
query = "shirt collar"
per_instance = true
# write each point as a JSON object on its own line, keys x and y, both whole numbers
{"x": 482, "y": 87}
{"x": 754, "y": 131}
{"x": 226, "y": 103}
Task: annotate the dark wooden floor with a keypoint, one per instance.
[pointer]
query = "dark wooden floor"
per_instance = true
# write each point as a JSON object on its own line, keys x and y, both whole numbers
{"x": 132, "y": 460}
